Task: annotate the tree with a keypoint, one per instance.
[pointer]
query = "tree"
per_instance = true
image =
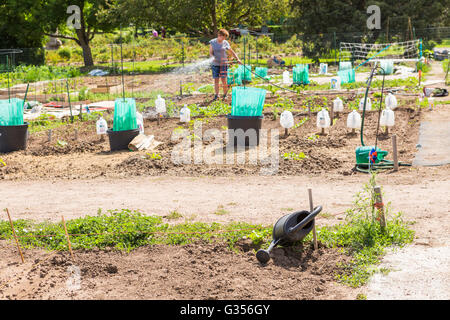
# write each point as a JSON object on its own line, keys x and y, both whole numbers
{"x": 326, "y": 22}
{"x": 94, "y": 18}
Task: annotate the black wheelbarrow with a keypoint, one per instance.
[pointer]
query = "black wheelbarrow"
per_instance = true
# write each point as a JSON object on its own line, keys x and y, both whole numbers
{"x": 289, "y": 229}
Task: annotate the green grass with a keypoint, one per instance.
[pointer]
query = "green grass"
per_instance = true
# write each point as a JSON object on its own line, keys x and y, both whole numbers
{"x": 359, "y": 235}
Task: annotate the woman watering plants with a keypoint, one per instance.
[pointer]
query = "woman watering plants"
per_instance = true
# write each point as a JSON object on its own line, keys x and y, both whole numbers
{"x": 218, "y": 51}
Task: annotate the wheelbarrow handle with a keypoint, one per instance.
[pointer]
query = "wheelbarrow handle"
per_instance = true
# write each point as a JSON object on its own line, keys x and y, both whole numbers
{"x": 305, "y": 221}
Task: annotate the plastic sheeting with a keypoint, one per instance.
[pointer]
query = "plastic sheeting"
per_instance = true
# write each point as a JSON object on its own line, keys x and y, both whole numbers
{"x": 125, "y": 114}
{"x": 247, "y": 101}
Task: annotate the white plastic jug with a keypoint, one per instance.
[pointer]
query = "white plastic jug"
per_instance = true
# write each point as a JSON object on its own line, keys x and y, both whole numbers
{"x": 354, "y": 120}
{"x": 431, "y": 103}
{"x": 287, "y": 119}
{"x": 338, "y": 105}
{"x": 102, "y": 126}
{"x": 368, "y": 104}
{"x": 160, "y": 105}
{"x": 323, "y": 119}
{"x": 185, "y": 114}
{"x": 323, "y": 68}
{"x": 387, "y": 118}
{"x": 391, "y": 101}
{"x": 140, "y": 122}
{"x": 335, "y": 83}
{"x": 286, "y": 77}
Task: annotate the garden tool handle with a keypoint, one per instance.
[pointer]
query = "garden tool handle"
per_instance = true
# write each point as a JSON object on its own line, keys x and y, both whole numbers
{"x": 305, "y": 221}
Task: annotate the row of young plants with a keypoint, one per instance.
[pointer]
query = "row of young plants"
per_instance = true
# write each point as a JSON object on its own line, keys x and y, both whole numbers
{"x": 360, "y": 235}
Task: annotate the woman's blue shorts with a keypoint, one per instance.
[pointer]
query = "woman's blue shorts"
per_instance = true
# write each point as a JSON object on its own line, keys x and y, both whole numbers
{"x": 219, "y": 71}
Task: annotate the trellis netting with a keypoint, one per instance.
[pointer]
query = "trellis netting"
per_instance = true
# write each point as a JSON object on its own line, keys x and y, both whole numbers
{"x": 347, "y": 75}
{"x": 125, "y": 114}
{"x": 11, "y": 112}
{"x": 387, "y": 67}
{"x": 247, "y": 101}
{"x": 300, "y": 74}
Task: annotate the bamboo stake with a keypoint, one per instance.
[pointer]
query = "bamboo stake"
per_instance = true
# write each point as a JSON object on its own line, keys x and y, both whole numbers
{"x": 15, "y": 237}
{"x": 67, "y": 236}
{"x": 311, "y": 208}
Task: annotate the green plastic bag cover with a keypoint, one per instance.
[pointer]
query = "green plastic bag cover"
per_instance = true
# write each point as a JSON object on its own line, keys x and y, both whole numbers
{"x": 300, "y": 74}
{"x": 387, "y": 65}
{"x": 125, "y": 114}
{"x": 245, "y": 72}
{"x": 247, "y": 101}
{"x": 345, "y": 65}
{"x": 11, "y": 112}
{"x": 237, "y": 77}
{"x": 262, "y": 72}
{"x": 347, "y": 76}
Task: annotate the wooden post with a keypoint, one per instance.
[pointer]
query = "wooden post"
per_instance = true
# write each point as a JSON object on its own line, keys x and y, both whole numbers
{"x": 49, "y": 132}
{"x": 15, "y": 237}
{"x": 394, "y": 148}
{"x": 380, "y": 206}
{"x": 67, "y": 236}
{"x": 331, "y": 115}
{"x": 81, "y": 112}
{"x": 286, "y": 132}
{"x": 158, "y": 116}
{"x": 76, "y": 134}
{"x": 311, "y": 208}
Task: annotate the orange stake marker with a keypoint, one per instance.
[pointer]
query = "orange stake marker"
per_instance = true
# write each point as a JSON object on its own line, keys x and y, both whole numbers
{"x": 67, "y": 236}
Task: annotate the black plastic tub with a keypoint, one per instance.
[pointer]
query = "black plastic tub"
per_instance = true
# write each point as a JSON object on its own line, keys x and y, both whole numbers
{"x": 244, "y": 131}
{"x": 13, "y": 138}
{"x": 119, "y": 140}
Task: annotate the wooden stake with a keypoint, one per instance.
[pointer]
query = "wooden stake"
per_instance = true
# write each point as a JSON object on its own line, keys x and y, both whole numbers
{"x": 394, "y": 148}
{"x": 67, "y": 236}
{"x": 311, "y": 208}
{"x": 286, "y": 132}
{"x": 380, "y": 207}
{"x": 76, "y": 134}
{"x": 15, "y": 237}
{"x": 49, "y": 135}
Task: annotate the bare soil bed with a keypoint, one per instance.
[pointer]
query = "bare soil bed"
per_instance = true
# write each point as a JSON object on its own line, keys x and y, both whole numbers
{"x": 89, "y": 156}
{"x": 195, "y": 271}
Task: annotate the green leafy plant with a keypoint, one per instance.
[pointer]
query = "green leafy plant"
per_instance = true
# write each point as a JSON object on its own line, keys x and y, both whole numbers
{"x": 294, "y": 156}
{"x": 153, "y": 156}
{"x": 2, "y": 163}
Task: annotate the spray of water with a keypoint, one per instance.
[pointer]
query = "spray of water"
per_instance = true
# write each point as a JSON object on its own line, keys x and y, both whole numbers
{"x": 197, "y": 66}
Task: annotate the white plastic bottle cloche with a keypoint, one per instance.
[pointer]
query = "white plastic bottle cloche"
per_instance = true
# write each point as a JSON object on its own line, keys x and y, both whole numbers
{"x": 185, "y": 114}
{"x": 102, "y": 126}
{"x": 160, "y": 104}
{"x": 287, "y": 119}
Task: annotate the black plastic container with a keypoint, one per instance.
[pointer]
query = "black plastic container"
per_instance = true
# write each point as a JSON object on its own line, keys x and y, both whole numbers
{"x": 13, "y": 138}
{"x": 119, "y": 140}
{"x": 243, "y": 137}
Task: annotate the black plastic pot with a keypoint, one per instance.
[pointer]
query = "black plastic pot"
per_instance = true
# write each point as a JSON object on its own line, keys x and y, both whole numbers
{"x": 119, "y": 140}
{"x": 244, "y": 131}
{"x": 13, "y": 138}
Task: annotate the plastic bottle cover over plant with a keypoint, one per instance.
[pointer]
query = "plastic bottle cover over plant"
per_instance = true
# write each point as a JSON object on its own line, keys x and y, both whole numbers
{"x": 323, "y": 119}
{"x": 11, "y": 112}
{"x": 287, "y": 119}
{"x": 286, "y": 77}
{"x": 345, "y": 65}
{"x": 387, "y": 118}
{"x": 338, "y": 105}
{"x": 160, "y": 104}
{"x": 368, "y": 104}
{"x": 185, "y": 114}
{"x": 391, "y": 101}
{"x": 335, "y": 83}
{"x": 102, "y": 126}
{"x": 354, "y": 120}
{"x": 140, "y": 122}
{"x": 125, "y": 114}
